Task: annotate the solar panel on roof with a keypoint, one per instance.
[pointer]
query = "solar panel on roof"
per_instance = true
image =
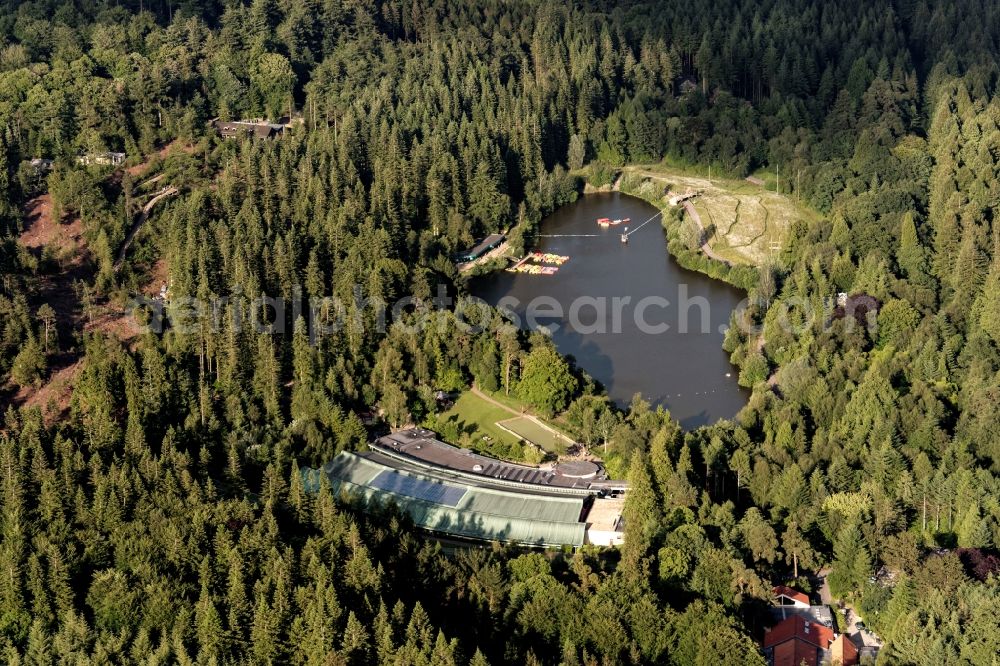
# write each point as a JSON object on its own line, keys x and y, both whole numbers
{"x": 401, "y": 484}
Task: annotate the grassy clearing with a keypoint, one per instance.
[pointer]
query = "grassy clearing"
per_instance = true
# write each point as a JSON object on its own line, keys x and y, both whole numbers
{"x": 511, "y": 401}
{"x": 750, "y": 222}
{"x": 529, "y": 429}
{"x": 472, "y": 423}
{"x": 557, "y": 423}
{"x": 470, "y": 419}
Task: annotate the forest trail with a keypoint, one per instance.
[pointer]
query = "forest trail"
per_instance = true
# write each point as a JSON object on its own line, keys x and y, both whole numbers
{"x": 155, "y": 179}
{"x": 139, "y": 223}
{"x": 475, "y": 390}
{"x": 825, "y": 597}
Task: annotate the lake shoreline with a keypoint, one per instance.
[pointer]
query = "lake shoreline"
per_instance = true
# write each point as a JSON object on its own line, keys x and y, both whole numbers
{"x": 739, "y": 276}
{"x": 683, "y": 366}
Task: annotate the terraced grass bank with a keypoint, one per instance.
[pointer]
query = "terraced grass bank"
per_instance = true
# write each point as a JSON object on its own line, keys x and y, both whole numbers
{"x": 745, "y": 223}
{"x": 532, "y": 430}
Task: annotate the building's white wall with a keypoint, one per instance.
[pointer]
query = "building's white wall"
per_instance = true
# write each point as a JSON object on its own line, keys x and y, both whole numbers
{"x": 604, "y": 537}
{"x": 789, "y": 602}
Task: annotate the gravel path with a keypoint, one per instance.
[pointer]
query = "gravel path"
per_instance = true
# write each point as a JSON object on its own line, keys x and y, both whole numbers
{"x": 490, "y": 400}
{"x": 165, "y": 192}
{"x": 689, "y": 207}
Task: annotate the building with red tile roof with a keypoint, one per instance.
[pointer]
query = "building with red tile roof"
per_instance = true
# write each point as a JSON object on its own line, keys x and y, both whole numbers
{"x": 795, "y": 641}
{"x": 843, "y": 651}
{"x": 787, "y": 596}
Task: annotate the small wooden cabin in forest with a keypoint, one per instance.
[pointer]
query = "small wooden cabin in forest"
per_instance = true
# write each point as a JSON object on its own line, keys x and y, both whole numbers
{"x": 102, "y": 159}
{"x": 258, "y": 129}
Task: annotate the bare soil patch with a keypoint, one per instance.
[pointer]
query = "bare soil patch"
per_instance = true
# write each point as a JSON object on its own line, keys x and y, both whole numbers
{"x": 142, "y": 168}
{"x": 65, "y": 268}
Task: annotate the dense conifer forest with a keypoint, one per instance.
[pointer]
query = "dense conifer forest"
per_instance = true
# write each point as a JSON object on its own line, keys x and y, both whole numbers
{"x": 155, "y": 513}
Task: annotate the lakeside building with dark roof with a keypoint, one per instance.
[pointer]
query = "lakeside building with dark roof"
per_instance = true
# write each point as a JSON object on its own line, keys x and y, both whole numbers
{"x": 460, "y": 494}
{"x": 489, "y": 243}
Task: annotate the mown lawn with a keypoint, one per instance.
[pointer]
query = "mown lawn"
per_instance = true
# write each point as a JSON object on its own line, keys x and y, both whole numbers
{"x": 557, "y": 423}
{"x": 471, "y": 419}
{"x": 528, "y": 428}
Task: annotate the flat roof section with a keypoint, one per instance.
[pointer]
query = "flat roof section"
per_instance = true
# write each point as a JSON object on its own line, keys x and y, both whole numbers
{"x": 819, "y": 614}
{"x": 522, "y": 505}
{"x": 421, "y": 446}
{"x": 579, "y": 469}
{"x": 605, "y": 515}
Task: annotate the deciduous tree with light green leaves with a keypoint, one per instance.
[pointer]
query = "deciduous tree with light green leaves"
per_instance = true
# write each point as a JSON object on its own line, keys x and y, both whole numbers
{"x": 273, "y": 79}
{"x": 546, "y": 381}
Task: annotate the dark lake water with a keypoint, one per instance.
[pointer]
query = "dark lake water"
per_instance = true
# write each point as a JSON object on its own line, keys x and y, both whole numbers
{"x": 682, "y": 366}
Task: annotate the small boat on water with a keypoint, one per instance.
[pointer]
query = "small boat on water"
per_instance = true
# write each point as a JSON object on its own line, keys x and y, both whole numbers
{"x": 603, "y": 221}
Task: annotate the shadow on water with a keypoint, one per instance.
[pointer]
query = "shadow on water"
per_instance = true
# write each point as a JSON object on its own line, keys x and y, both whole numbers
{"x": 692, "y": 422}
{"x": 687, "y": 372}
{"x": 586, "y": 354}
